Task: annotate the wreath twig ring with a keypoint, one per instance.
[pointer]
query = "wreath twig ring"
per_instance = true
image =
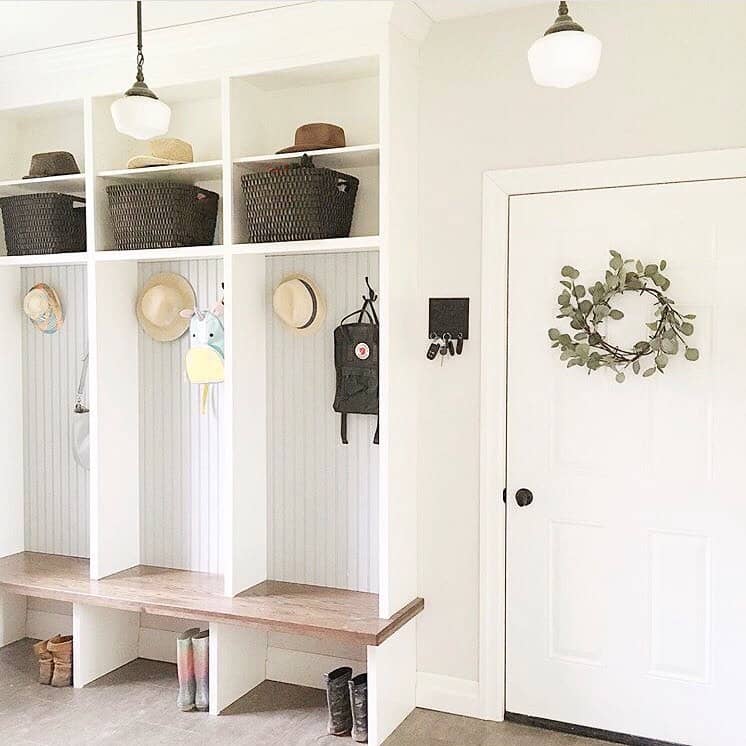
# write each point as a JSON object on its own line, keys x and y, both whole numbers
{"x": 588, "y": 311}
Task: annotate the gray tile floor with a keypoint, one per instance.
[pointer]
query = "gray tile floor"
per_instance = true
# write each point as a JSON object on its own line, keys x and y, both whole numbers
{"x": 135, "y": 706}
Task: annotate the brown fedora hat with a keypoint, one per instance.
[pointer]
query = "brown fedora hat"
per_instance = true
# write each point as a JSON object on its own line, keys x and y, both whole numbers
{"x": 316, "y": 136}
{"x": 56, "y": 163}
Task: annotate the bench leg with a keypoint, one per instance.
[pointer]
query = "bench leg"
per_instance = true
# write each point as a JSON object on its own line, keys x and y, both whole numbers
{"x": 238, "y": 663}
{"x": 12, "y": 618}
{"x": 392, "y": 677}
{"x": 103, "y": 640}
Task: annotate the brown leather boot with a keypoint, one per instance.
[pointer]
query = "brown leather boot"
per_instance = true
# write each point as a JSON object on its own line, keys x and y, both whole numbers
{"x": 46, "y": 662}
{"x": 61, "y": 648}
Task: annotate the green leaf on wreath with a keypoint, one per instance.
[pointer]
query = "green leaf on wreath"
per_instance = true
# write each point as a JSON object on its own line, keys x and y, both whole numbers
{"x": 692, "y": 353}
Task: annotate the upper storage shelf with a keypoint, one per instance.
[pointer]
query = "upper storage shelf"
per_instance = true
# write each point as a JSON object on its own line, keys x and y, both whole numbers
{"x": 40, "y": 129}
{"x": 267, "y": 108}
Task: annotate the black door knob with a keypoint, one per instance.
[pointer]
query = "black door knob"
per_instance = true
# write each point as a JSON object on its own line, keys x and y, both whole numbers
{"x": 524, "y": 497}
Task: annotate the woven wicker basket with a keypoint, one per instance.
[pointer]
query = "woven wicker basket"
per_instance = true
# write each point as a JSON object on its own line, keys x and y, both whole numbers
{"x": 47, "y": 223}
{"x": 162, "y": 215}
{"x": 299, "y": 203}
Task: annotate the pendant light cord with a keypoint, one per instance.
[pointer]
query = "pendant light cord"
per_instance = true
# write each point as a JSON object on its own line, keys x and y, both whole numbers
{"x": 140, "y": 55}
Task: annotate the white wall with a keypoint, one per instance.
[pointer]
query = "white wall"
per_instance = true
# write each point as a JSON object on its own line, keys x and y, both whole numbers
{"x": 672, "y": 79}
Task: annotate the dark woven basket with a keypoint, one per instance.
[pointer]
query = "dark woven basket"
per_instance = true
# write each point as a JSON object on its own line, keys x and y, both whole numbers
{"x": 299, "y": 203}
{"x": 162, "y": 215}
{"x": 48, "y": 223}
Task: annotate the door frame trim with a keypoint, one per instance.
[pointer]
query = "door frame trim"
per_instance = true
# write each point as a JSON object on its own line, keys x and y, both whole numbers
{"x": 498, "y": 189}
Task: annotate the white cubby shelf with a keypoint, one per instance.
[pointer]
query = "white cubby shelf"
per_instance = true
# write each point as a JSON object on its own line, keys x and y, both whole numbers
{"x": 253, "y": 517}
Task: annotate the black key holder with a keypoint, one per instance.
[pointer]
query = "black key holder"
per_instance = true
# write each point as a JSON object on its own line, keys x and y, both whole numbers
{"x": 448, "y": 327}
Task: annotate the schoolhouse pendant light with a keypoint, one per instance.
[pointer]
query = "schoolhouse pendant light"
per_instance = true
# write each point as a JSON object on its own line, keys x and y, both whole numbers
{"x": 139, "y": 113}
{"x": 566, "y": 55}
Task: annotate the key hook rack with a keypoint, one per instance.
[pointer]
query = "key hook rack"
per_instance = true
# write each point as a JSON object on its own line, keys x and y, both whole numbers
{"x": 448, "y": 327}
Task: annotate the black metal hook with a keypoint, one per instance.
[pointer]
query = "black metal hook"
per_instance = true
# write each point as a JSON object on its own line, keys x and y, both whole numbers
{"x": 371, "y": 293}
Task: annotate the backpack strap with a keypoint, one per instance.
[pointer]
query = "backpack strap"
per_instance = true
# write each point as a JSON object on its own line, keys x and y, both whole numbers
{"x": 343, "y": 429}
{"x": 375, "y": 437}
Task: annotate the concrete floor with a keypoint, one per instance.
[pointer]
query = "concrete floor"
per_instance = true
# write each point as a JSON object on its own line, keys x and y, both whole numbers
{"x": 135, "y": 705}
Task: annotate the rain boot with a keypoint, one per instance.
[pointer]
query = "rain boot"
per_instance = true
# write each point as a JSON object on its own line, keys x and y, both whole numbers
{"x": 185, "y": 669}
{"x": 61, "y": 649}
{"x": 201, "y": 648}
{"x": 338, "y": 700}
{"x": 359, "y": 704}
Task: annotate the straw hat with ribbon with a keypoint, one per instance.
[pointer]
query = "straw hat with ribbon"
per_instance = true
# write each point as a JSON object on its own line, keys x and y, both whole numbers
{"x": 160, "y": 304}
{"x": 42, "y": 306}
{"x": 298, "y": 302}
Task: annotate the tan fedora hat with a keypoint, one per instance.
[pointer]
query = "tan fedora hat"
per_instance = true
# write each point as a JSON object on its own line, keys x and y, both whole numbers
{"x": 43, "y": 308}
{"x": 164, "y": 151}
{"x": 316, "y": 136}
{"x": 298, "y": 302}
{"x": 160, "y": 304}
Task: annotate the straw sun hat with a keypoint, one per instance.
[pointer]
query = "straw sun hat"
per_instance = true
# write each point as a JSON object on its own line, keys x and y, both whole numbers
{"x": 298, "y": 302}
{"x": 164, "y": 151}
{"x": 160, "y": 304}
{"x": 42, "y": 306}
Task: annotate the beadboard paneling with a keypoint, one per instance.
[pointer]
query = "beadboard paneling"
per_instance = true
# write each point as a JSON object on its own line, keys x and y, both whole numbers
{"x": 323, "y": 496}
{"x": 57, "y": 504}
{"x": 180, "y": 454}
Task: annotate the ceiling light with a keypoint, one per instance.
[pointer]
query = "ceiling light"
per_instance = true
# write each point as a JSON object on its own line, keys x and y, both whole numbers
{"x": 566, "y": 55}
{"x": 139, "y": 113}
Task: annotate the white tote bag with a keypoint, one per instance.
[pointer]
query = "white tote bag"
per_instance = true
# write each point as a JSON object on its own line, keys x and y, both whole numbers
{"x": 81, "y": 422}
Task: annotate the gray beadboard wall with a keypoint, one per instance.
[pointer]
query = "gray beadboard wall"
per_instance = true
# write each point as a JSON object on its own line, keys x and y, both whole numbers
{"x": 56, "y": 488}
{"x": 180, "y": 449}
{"x": 323, "y": 496}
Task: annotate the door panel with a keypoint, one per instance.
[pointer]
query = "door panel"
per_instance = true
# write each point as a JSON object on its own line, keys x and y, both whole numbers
{"x": 625, "y": 602}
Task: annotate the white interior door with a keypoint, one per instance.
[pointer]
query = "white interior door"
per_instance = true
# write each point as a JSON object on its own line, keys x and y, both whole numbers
{"x": 626, "y": 597}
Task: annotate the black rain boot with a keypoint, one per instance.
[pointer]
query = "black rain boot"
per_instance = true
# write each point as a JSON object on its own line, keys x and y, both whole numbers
{"x": 338, "y": 699}
{"x": 359, "y": 703}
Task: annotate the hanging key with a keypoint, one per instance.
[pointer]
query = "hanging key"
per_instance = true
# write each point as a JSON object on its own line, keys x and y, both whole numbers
{"x": 432, "y": 351}
{"x": 448, "y": 339}
{"x": 460, "y": 344}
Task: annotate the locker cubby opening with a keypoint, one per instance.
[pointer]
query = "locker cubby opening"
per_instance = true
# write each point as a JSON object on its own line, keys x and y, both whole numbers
{"x": 195, "y": 118}
{"x": 47, "y": 491}
{"x": 345, "y": 93}
{"x": 181, "y": 454}
{"x": 322, "y": 496}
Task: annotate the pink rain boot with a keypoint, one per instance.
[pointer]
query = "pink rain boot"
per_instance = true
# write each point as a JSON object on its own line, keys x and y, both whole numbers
{"x": 185, "y": 670}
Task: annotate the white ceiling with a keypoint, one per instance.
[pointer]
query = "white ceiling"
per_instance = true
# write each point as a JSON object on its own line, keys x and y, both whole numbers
{"x": 40, "y": 24}
{"x": 440, "y": 10}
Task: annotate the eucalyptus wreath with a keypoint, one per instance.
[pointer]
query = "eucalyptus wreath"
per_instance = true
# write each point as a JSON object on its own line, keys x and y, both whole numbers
{"x": 589, "y": 310}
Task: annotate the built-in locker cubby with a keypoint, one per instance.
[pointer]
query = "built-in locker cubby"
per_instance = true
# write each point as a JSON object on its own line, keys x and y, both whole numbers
{"x": 322, "y": 495}
{"x": 344, "y": 93}
{"x": 180, "y": 446}
{"x": 46, "y": 490}
{"x": 196, "y": 118}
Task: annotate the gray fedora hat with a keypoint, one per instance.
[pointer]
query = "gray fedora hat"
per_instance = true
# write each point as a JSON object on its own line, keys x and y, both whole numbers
{"x": 56, "y": 163}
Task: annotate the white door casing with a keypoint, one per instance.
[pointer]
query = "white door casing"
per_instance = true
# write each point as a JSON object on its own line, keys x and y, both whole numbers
{"x": 623, "y": 609}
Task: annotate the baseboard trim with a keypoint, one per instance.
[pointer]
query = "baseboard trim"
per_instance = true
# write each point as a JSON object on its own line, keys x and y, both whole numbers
{"x": 448, "y": 694}
{"x": 586, "y": 732}
{"x": 304, "y": 669}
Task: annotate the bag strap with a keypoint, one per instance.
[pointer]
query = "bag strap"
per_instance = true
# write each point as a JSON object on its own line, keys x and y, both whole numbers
{"x": 343, "y": 429}
{"x": 375, "y": 437}
{"x": 80, "y": 407}
{"x": 360, "y": 313}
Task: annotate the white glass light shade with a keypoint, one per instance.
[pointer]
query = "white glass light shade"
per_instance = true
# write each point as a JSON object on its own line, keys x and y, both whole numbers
{"x": 565, "y": 58}
{"x": 141, "y": 117}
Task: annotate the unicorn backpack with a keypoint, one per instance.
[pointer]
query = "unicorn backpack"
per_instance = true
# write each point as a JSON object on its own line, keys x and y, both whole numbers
{"x": 205, "y": 360}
